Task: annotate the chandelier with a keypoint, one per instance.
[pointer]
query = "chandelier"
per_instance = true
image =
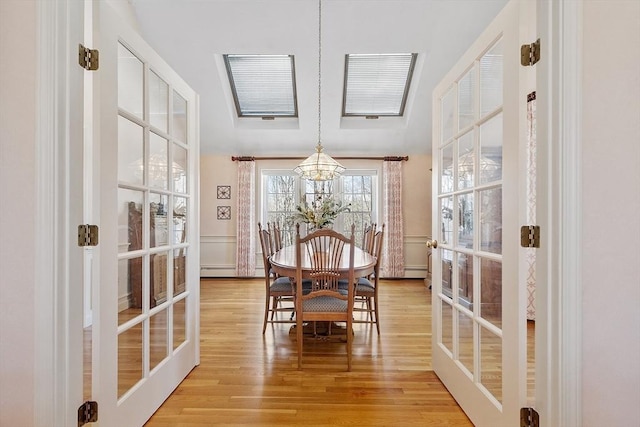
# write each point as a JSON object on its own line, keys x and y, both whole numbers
{"x": 319, "y": 166}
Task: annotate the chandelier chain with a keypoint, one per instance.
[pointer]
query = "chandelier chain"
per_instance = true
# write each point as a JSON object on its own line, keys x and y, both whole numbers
{"x": 319, "y": 70}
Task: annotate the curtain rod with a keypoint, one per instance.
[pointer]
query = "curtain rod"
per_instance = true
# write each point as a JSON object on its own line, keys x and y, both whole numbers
{"x": 385, "y": 158}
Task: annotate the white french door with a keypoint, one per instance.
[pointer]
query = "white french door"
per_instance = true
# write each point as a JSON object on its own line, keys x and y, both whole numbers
{"x": 146, "y": 330}
{"x": 479, "y": 323}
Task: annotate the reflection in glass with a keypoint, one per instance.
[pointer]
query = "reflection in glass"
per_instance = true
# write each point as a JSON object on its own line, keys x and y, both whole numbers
{"x": 491, "y": 362}
{"x": 465, "y": 278}
{"x": 158, "y": 161}
{"x": 446, "y": 210}
{"x": 491, "y": 291}
{"x": 129, "y": 289}
{"x": 467, "y": 99}
{"x": 447, "y": 272}
{"x": 158, "y": 204}
{"x": 130, "y": 82}
{"x": 179, "y": 118}
{"x": 491, "y": 79}
{"x": 130, "y": 235}
{"x": 158, "y": 102}
{"x": 491, "y": 150}
{"x": 179, "y": 271}
{"x": 158, "y": 338}
{"x": 159, "y": 275}
{"x": 447, "y": 325}
{"x": 179, "y": 169}
{"x": 130, "y": 151}
{"x": 446, "y": 177}
{"x": 447, "y": 116}
{"x": 491, "y": 220}
{"x": 179, "y": 219}
{"x": 465, "y": 340}
{"x": 466, "y": 161}
{"x": 179, "y": 323}
{"x": 129, "y": 358}
{"x": 465, "y": 220}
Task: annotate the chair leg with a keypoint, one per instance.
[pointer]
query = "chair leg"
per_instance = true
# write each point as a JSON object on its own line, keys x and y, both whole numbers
{"x": 266, "y": 313}
{"x": 274, "y": 306}
{"x": 375, "y": 313}
{"x": 349, "y": 342}
{"x": 299, "y": 340}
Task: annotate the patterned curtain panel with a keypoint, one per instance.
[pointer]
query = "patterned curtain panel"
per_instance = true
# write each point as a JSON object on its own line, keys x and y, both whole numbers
{"x": 531, "y": 203}
{"x": 246, "y": 225}
{"x": 393, "y": 251}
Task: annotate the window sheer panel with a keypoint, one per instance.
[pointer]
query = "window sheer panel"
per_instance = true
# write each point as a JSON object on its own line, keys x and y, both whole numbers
{"x": 377, "y": 84}
{"x": 263, "y": 85}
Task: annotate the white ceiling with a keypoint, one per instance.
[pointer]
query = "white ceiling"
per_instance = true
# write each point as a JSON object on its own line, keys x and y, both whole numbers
{"x": 192, "y": 36}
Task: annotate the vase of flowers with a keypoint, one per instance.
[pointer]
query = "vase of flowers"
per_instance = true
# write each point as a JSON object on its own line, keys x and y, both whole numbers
{"x": 321, "y": 213}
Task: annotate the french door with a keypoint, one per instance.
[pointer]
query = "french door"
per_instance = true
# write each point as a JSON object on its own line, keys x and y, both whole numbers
{"x": 479, "y": 323}
{"x": 145, "y": 331}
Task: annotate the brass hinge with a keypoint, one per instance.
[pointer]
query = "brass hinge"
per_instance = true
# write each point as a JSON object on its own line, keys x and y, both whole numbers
{"x": 87, "y": 235}
{"x": 530, "y": 53}
{"x": 87, "y": 413}
{"x": 530, "y": 236}
{"x": 529, "y": 417}
{"x": 89, "y": 59}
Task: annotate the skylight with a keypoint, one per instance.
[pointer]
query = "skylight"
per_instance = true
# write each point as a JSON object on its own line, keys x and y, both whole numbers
{"x": 263, "y": 85}
{"x": 377, "y": 84}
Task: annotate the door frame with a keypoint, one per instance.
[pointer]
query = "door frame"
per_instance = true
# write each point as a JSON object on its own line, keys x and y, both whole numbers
{"x": 559, "y": 214}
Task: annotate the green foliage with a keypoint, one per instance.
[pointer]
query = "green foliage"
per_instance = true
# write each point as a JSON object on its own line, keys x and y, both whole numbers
{"x": 321, "y": 213}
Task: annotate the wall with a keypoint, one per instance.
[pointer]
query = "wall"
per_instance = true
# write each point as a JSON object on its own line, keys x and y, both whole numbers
{"x": 218, "y": 237}
{"x": 17, "y": 202}
{"x": 611, "y": 201}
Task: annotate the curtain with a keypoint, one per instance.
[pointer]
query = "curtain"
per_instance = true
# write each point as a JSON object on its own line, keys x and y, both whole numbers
{"x": 531, "y": 203}
{"x": 393, "y": 251}
{"x": 245, "y": 241}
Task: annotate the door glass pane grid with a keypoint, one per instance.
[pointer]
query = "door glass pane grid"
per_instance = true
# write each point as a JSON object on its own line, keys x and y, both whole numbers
{"x": 446, "y": 168}
{"x": 446, "y": 326}
{"x": 466, "y": 341}
{"x": 465, "y": 220}
{"x": 467, "y": 104}
{"x": 130, "y": 82}
{"x": 448, "y": 115}
{"x": 158, "y": 102}
{"x": 158, "y": 338}
{"x": 446, "y": 221}
{"x": 466, "y": 161}
{"x": 491, "y": 363}
{"x": 491, "y": 79}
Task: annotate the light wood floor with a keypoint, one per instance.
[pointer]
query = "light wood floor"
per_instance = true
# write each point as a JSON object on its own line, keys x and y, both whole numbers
{"x": 249, "y": 379}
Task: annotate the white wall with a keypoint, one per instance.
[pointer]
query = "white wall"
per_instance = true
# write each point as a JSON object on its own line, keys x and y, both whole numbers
{"x": 17, "y": 205}
{"x": 611, "y": 225}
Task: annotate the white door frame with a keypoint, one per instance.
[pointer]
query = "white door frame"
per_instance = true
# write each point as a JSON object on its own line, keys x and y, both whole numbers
{"x": 559, "y": 123}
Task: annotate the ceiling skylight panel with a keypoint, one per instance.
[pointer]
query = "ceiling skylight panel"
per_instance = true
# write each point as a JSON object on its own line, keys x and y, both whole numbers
{"x": 377, "y": 84}
{"x": 263, "y": 85}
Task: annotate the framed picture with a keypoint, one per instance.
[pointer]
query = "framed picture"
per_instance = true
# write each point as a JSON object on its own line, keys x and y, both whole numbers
{"x": 224, "y": 191}
{"x": 224, "y": 212}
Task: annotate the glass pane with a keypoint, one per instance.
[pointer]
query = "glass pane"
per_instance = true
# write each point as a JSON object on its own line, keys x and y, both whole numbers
{"x": 158, "y": 102}
{"x": 179, "y": 130}
{"x": 447, "y": 273}
{"x": 158, "y": 161}
{"x": 130, "y": 152}
{"x": 129, "y": 358}
{"x": 179, "y": 323}
{"x": 447, "y": 115}
{"x": 158, "y": 221}
{"x": 446, "y": 210}
{"x": 467, "y": 99}
{"x": 465, "y": 279}
{"x": 446, "y": 177}
{"x": 491, "y": 220}
{"x": 179, "y": 169}
{"x": 491, "y": 291}
{"x": 466, "y": 161}
{"x": 491, "y": 150}
{"x": 158, "y": 267}
{"x": 158, "y": 338}
{"x": 491, "y": 79}
{"x": 179, "y": 219}
{"x": 130, "y": 82}
{"x": 465, "y": 340}
{"x": 130, "y": 204}
{"x": 129, "y": 289}
{"x": 491, "y": 362}
{"x": 465, "y": 228}
{"x": 447, "y": 325}
{"x": 179, "y": 271}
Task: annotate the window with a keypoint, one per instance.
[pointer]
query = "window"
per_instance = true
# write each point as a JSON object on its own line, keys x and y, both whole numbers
{"x": 280, "y": 197}
{"x": 377, "y": 84}
{"x": 263, "y": 85}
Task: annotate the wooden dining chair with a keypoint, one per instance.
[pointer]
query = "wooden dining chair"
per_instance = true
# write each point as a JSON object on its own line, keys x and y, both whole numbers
{"x": 368, "y": 237}
{"x": 367, "y": 287}
{"x": 278, "y": 289}
{"x": 324, "y": 301}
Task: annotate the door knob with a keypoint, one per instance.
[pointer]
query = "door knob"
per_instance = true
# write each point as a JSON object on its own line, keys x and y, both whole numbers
{"x": 432, "y": 244}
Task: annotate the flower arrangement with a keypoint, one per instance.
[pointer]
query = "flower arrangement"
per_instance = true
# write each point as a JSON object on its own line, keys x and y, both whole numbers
{"x": 322, "y": 212}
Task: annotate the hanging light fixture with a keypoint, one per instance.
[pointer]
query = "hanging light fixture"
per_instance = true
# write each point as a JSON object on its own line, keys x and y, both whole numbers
{"x": 319, "y": 166}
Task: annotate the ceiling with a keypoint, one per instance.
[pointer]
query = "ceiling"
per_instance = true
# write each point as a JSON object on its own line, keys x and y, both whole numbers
{"x": 192, "y": 36}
